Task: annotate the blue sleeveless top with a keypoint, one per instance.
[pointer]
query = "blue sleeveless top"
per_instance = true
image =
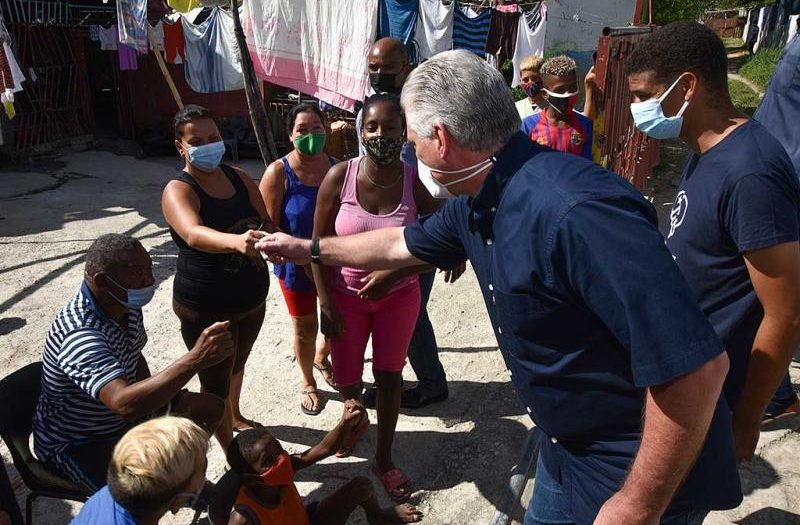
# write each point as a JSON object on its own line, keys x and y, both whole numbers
{"x": 297, "y": 219}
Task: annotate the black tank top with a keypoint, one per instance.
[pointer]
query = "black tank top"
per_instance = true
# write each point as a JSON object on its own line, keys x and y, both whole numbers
{"x": 228, "y": 282}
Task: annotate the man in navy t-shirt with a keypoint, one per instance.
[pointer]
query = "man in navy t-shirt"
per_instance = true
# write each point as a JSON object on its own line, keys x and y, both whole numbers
{"x": 593, "y": 318}
{"x": 735, "y": 223}
{"x": 779, "y": 112}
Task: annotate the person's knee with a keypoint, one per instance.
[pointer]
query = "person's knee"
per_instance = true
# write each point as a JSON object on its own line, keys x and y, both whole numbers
{"x": 207, "y": 410}
{"x": 306, "y": 329}
{"x": 384, "y": 379}
{"x": 362, "y": 487}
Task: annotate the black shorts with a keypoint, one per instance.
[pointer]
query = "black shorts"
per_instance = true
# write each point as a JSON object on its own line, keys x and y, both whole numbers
{"x": 245, "y": 327}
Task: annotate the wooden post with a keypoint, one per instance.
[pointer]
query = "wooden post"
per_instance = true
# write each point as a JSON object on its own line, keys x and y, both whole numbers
{"x": 255, "y": 102}
{"x": 164, "y": 71}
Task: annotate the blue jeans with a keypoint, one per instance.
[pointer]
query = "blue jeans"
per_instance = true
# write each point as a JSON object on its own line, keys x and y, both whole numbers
{"x": 423, "y": 352}
{"x": 550, "y": 504}
{"x": 783, "y": 397}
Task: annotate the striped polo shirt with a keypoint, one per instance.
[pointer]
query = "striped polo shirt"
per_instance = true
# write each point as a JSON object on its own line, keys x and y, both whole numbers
{"x": 84, "y": 351}
{"x": 471, "y": 33}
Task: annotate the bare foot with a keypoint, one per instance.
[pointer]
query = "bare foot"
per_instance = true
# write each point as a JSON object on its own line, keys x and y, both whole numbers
{"x": 404, "y": 513}
{"x": 241, "y": 423}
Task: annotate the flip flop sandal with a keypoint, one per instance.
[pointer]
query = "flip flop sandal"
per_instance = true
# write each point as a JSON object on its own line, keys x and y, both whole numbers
{"x": 308, "y": 411}
{"x": 354, "y": 437}
{"x": 327, "y": 374}
{"x": 392, "y": 482}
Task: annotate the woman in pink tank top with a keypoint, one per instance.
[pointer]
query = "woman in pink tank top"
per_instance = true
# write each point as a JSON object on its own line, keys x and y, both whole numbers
{"x": 368, "y": 193}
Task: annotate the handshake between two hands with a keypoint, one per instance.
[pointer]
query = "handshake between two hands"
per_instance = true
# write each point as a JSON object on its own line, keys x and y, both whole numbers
{"x": 279, "y": 248}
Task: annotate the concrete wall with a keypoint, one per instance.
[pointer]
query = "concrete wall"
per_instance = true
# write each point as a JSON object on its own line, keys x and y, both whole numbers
{"x": 574, "y": 26}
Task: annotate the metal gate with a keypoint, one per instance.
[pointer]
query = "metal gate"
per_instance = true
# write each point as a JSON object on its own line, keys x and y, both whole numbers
{"x": 622, "y": 148}
{"x": 51, "y": 107}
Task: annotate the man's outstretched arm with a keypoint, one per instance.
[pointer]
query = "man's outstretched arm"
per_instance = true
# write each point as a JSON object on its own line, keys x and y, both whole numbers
{"x": 383, "y": 249}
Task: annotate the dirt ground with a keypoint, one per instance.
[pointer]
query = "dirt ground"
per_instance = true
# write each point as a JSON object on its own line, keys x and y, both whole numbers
{"x": 458, "y": 453}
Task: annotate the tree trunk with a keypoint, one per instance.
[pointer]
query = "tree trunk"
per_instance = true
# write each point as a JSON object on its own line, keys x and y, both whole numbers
{"x": 255, "y": 102}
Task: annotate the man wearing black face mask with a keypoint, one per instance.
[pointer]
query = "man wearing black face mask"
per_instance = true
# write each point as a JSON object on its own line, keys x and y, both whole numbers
{"x": 389, "y": 67}
{"x": 96, "y": 383}
{"x": 559, "y": 126}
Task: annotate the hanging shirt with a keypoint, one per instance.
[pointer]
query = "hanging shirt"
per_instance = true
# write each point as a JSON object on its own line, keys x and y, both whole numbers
{"x": 212, "y": 58}
{"x": 94, "y": 33}
{"x": 132, "y": 23}
{"x": 471, "y": 33}
{"x": 779, "y": 110}
{"x": 158, "y": 36}
{"x": 334, "y": 68}
{"x": 396, "y": 19}
{"x": 173, "y": 42}
{"x": 575, "y": 138}
{"x": 434, "y": 32}
{"x": 109, "y": 36}
{"x": 502, "y": 37}
{"x": 128, "y": 61}
{"x": 741, "y": 195}
{"x": 530, "y": 38}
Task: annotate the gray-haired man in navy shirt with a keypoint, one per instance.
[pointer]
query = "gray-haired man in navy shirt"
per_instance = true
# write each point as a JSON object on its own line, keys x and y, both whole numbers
{"x": 591, "y": 314}
{"x": 735, "y": 223}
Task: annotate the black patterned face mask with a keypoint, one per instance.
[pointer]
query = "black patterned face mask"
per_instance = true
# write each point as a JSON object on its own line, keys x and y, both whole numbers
{"x": 384, "y": 150}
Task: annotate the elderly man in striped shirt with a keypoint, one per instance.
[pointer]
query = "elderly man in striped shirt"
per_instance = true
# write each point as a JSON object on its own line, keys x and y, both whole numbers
{"x": 96, "y": 383}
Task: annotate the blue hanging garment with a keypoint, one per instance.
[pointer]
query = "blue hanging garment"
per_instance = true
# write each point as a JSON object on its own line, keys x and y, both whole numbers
{"x": 471, "y": 33}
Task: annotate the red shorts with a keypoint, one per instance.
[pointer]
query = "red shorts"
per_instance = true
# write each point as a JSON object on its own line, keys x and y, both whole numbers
{"x": 300, "y": 304}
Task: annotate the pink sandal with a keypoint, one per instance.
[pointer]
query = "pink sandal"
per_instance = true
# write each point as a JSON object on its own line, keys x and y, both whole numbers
{"x": 393, "y": 482}
{"x": 354, "y": 437}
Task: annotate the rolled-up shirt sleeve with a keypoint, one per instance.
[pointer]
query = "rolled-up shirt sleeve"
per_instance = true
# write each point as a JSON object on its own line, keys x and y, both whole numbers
{"x": 436, "y": 239}
{"x": 611, "y": 254}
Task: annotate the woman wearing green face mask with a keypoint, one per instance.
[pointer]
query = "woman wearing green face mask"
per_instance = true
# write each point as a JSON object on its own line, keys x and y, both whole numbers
{"x": 289, "y": 188}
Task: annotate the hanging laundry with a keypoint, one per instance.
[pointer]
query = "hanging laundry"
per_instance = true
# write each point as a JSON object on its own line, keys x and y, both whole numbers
{"x": 158, "y": 36}
{"x": 396, "y": 18}
{"x": 94, "y": 33}
{"x": 213, "y": 63}
{"x": 434, "y": 32}
{"x": 502, "y": 34}
{"x": 318, "y": 48}
{"x": 7, "y": 99}
{"x": 507, "y": 8}
{"x": 11, "y": 76}
{"x": 173, "y": 42}
{"x": 470, "y": 33}
{"x": 128, "y": 61}
{"x": 530, "y": 37}
{"x": 132, "y": 20}
{"x": 183, "y": 6}
{"x": 108, "y": 37}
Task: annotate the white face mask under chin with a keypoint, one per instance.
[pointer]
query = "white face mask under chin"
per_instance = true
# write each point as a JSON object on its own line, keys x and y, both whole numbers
{"x": 439, "y": 190}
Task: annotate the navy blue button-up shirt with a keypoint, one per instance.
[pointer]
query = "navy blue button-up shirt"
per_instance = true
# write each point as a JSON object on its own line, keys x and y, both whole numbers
{"x": 588, "y": 308}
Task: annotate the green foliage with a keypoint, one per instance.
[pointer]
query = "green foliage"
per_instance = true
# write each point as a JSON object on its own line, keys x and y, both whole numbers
{"x": 666, "y": 11}
{"x": 760, "y": 66}
{"x": 744, "y": 98}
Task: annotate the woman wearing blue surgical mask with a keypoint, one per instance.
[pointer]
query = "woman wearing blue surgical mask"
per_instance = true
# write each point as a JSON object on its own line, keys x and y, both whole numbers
{"x": 289, "y": 188}
{"x": 216, "y": 215}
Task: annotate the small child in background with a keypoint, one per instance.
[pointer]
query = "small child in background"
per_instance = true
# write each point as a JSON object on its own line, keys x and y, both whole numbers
{"x": 559, "y": 126}
{"x": 531, "y": 84}
{"x": 268, "y": 495}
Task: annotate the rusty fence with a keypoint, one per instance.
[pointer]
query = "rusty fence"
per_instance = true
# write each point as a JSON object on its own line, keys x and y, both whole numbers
{"x": 620, "y": 147}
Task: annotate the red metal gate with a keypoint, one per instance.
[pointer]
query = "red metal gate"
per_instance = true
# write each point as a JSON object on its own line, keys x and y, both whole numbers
{"x": 623, "y": 148}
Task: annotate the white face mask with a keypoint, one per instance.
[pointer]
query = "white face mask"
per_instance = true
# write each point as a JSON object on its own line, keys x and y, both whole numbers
{"x": 439, "y": 190}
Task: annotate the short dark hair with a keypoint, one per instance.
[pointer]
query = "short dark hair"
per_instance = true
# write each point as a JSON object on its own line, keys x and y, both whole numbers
{"x": 390, "y": 98}
{"x": 108, "y": 250}
{"x": 241, "y": 452}
{"x": 189, "y": 113}
{"x": 679, "y": 47}
{"x": 303, "y": 107}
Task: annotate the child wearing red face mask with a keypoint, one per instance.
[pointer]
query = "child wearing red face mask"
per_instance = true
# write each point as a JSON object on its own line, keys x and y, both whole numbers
{"x": 559, "y": 126}
{"x": 268, "y": 495}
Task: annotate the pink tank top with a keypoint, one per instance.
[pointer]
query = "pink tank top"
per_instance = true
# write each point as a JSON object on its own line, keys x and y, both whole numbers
{"x": 352, "y": 218}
